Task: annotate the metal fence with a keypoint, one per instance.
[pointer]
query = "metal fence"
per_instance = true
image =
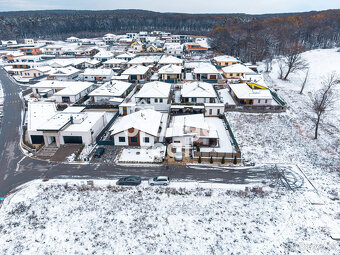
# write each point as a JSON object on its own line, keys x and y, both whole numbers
{"x": 103, "y": 132}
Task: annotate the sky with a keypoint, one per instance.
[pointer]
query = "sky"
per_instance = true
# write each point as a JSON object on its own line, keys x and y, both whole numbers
{"x": 183, "y": 6}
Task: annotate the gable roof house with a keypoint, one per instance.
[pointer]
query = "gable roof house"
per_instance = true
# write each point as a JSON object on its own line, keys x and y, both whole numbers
{"x": 236, "y": 71}
{"x": 206, "y": 72}
{"x": 198, "y": 92}
{"x": 137, "y": 73}
{"x": 142, "y": 128}
{"x": 126, "y": 56}
{"x": 170, "y": 60}
{"x": 144, "y": 60}
{"x": 63, "y": 74}
{"x": 115, "y": 63}
{"x": 222, "y": 61}
{"x": 112, "y": 92}
{"x": 170, "y": 73}
{"x": 103, "y": 55}
{"x": 73, "y": 92}
{"x": 98, "y": 75}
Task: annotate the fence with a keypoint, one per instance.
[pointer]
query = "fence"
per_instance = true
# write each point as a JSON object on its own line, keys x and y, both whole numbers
{"x": 103, "y": 132}
{"x": 255, "y": 108}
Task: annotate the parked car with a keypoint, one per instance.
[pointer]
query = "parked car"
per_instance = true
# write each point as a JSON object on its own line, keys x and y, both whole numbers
{"x": 159, "y": 180}
{"x": 130, "y": 180}
{"x": 99, "y": 152}
{"x": 248, "y": 163}
{"x": 179, "y": 154}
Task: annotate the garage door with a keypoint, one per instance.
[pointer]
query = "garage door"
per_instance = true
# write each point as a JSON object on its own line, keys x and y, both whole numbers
{"x": 37, "y": 139}
{"x": 73, "y": 139}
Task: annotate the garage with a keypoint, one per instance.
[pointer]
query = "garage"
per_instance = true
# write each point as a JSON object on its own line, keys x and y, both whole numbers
{"x": 37, "y": 139}
{"x": 73, "y": 139}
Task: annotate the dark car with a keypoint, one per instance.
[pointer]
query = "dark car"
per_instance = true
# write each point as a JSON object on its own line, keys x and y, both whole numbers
{"x": 99, "y": 152}
{"x": 130, "y": 180}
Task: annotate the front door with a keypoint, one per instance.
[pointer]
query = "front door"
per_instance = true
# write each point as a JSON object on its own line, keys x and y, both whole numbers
{"x": 124, "y": 111}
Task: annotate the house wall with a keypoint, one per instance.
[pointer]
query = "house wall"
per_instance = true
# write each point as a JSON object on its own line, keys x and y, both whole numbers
{"x": 262, "y": 101}
{"x": 139, "y": 134}
{"x": 233, "y": 75}
{"x": 200, "y": 100}
{"x": 214, "y": 110}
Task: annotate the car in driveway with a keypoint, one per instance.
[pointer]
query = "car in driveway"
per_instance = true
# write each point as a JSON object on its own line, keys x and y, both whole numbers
{"x": 130, "y": 181}
{"x": 99, "y": 152}
{"x": 159, "y": 180}
{"x": 248, "y": 163}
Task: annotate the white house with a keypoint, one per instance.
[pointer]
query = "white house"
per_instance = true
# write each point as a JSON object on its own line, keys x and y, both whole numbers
{"x": 251, "y": 94}
{"x": 34, "y": 72}
{"x": 109, "y": 38}
{"x": 54, "y": 128}
{"x": 74, "y": 92}
{"x": 198, "y": 92}
{"x": 53, "y": 49}
{"x": 174, "y": 49}
{"x": 126, "y": 56}
{"x": 63, "y": 74}
{"x": 170, "y": 73}
{"x": 98, "y": 74}
{"x": 103, "y": 55}
{"x": 140, "y": 128}
{"x": 72, "y": 39}
{"x": 205, "y": 71}
{"x": 47, "y": 88}
{"x": 144, "y": 60}
{"x": 112, "y": 92}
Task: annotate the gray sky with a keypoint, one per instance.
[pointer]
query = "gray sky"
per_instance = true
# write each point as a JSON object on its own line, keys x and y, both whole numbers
{"x": 187, "y": 6}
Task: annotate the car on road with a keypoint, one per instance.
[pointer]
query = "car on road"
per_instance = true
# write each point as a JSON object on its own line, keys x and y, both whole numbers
{"x": 159, "y": 180}
{"x": 130, "y": 180}
{"x": 99, "y": 152}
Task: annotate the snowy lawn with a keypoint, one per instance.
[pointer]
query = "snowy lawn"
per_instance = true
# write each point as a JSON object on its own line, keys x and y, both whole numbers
{"x": 186, "y": 218}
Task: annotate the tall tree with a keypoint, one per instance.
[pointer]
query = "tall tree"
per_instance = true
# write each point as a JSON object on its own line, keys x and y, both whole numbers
{"x": 323, "y": 100}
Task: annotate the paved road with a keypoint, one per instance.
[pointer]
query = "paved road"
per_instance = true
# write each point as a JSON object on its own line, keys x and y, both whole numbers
{"x": 15, "y": 169}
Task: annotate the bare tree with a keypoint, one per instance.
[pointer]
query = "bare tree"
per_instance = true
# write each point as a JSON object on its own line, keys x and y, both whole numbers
{"x": 281, "y": 64}
{"x": 304, "y": 81}
{"x": 293, "y": 60}
{"x": 323, "y": 100}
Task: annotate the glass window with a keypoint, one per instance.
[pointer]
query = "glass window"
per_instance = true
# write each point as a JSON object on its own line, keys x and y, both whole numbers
{"x": 122, "y": 139}
{"x": 156, "y": 100}
{"x": 266, "y": 101}
{"x": 259, "y": 101}
{"x": 134, "y": 139}
{"x": 161, "y": 100}
{"x": 146, "y": 139}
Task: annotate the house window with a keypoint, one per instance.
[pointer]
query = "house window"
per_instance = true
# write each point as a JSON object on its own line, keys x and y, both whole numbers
{"x": 266, "y": 101}
{"x": 237, "y": 74}
{"x": 134, "y": 139}
{"x": 231, "y": 74}
{"x": 210, "y": 111}
{"x": 148, "y": 100}
{"x": 218, "y": 111}
{"x": 122, "y": 139}
{"x": 161, "y": 100}
{"x": 156, "y": 100}
{"x": 194, "y": 99}
{"x": 146, "y": 139}
{"x": 259, "y": 101}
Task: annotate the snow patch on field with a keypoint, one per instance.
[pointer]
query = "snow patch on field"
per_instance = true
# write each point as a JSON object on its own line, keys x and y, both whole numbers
{"x": 66, "y": 216}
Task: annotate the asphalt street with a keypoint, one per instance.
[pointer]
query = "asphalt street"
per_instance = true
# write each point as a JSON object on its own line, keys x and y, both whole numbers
{"x": 17, "y": 169}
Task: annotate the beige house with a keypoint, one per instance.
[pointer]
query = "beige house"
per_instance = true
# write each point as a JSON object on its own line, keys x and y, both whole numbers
{"x": 170, "y": 73}
{"x": 222, "y": 61}
{"x": 236, "y": 71}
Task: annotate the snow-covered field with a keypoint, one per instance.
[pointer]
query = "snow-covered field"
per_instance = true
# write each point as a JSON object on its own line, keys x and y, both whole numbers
{"x": 186, "y": 218}
{"x": 288, "y": 137}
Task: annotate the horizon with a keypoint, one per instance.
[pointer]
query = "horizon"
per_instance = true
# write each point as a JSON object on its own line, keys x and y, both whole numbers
{"x": 262, "y": 7}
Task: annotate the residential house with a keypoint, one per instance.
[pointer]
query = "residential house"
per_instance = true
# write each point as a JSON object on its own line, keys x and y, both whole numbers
{"x": 103, "y": 55}
{"x": 251, "y": 94}
{"x": 34, "y": 72}
{"x": 137, "y": 73}
{"x": 142, "y": 128}
{"x": 63, "y": 74}
{"x": 47, "y": 88}
{"x": 170, "y": 73}
{"x": 236, "y": 71}
{"x": 91, "y": 51}
{"x": 110, "y": 38}
{"x": 222, "y": 61}
{"x": 173, "y": 49}
{"x": 115, "y": 63}
{"x": 98, "y": 75}
{"x": 73, "y": 92}
{"x": 35, "y": 50}
{"x": 53, "y": 50}
{"x": 206, "y": 72}
{"x": 144, "y": 60}
{"x": 72, "y": 39}
{"x": 126, "y": 56}
{"x": 195, "y": 48}
{"x": 198, "y": 92}
{"x": 170, "y": 60}
{"x": 112, "y": 92}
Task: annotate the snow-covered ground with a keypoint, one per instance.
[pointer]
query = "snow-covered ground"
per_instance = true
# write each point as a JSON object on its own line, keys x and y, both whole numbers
{"x": 66, "y": 217}
{"x": 143, "y": 155}
{"x": 288, "y": 137}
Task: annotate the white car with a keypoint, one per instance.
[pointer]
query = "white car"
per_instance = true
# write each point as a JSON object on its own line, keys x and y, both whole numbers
{"x": 159, "y": 180}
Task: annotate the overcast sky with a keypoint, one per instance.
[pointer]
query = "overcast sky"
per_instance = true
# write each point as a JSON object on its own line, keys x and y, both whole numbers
{"x": 187, "y": 6}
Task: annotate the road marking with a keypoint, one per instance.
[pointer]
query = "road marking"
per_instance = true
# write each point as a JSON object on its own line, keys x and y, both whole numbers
{"x": 18, "y": 164}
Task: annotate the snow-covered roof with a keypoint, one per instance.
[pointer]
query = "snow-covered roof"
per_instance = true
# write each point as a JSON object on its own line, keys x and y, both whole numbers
{"x": 74, "y": 89}
{"x": 206, "y": 68}
{"x": 144, "y": 60}
{"x": 98, "y": 72}
{"x": 170, "y": 60}
{"x": 170, "y": 69}
{"x": 74, "y": 109}
{"x": 198, "y": 89}
{"x": 115, "y": 61}
{"x": 154, "y": 89}
{"x": 226, "y": 58}
{"x": 126, "y": 55}
{"x": 147, "y": 121}
{"x": 38, "y": 112}
{"x": 103, "y": 54}
{"x": 112, "y": 89}
{"x": 64, "y": 71}
{"x": 54, "y": 84}
{"x": 136, "y": 70}
{"x": 237, "y": 68}
{"x": 243, "y": 91}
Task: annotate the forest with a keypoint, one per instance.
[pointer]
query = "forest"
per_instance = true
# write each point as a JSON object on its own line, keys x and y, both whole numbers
{"x": 250, "y": 37}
